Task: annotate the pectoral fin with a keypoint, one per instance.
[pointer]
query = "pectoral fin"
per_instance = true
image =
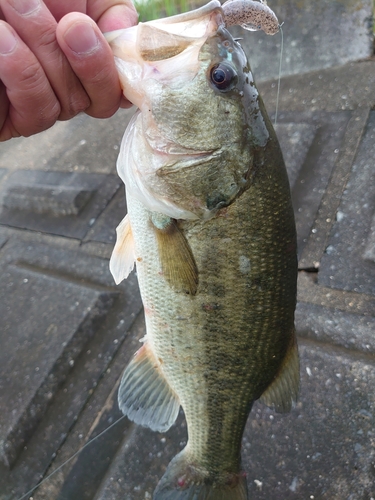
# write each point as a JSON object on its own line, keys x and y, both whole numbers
{"x": 283, "y": 391}
{"x": 123, "y": 255}
{"x": 144, "y": 394}
{"x": 177, "y": 260}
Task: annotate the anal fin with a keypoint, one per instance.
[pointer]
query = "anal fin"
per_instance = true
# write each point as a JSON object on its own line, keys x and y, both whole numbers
{"x": 177, "y": 260}
{"x": 282, "y": 393}
{"x": 144, "y": 394}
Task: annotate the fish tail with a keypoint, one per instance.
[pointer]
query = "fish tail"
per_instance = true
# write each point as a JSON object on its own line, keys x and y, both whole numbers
{"x": 185, "y": 481}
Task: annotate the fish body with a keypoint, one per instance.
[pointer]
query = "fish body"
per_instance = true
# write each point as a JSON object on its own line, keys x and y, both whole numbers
{"x": 210, "y": 226}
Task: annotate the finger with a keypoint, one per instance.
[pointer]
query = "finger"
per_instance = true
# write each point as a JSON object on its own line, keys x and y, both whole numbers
{"x": 4, "y": 104}
{"x": 37, "y": 28}
{"x": 59, "y": 8}
{"x": 33, "y": 106}
{"x": 92, "y": 61}
{"x": 112, "y": 15}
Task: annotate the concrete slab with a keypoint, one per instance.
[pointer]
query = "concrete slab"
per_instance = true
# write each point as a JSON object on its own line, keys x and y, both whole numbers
{"x": 86, "y": 356}
{"x": 322, "y": 450}
{"x": 82, "y": 477}
{"x": 295, "y": 141}
{"x": 60, "y": 203}
{"x": 80, "y": 145}
{"x": 350, "y": 238}
{"x": 321, "y": 135}
{"x": 39, "y": 348}
{"x": 104, "y": 229}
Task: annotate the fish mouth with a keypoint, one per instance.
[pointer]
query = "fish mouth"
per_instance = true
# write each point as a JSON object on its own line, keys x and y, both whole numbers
{"x": 165, "y": 147}
{"x": 163, "y": 50}
{"x": 186, "y": 160}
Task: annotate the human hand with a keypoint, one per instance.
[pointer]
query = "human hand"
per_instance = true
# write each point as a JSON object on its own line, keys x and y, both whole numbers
{"x": 55, "y": 62}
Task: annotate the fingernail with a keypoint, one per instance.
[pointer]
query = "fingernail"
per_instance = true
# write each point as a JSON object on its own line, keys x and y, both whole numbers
{"x": 7, "y": 40}
{"x": 25, "y": 7}
{"x": 81, "y": 38}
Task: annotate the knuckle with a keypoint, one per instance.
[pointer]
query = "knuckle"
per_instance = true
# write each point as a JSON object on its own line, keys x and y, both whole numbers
{"x": 32, "y": 78}
{"x": 47, "y": 38}
{"x": 77, "y": 103}
{"x": 47, "y": 116}
{"x": 51, "y": 113}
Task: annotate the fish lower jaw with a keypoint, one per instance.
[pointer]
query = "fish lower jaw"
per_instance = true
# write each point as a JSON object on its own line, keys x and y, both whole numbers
{"x": 176, "y": 157}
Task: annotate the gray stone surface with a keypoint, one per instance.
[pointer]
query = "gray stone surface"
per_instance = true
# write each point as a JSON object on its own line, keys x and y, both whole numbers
{"x": 55, "y": 202}
{"x": 82, "y": 477}
{"x": 92, "y": 346}
{"x": 321, "y": 135}
{"x": 295, "y": 140}
{"x": 38, "y": 349}
{"x": 81, "y": 145}
{"x": 41, "y": 199}
{"x": 324, "y": 449}
{"x": 103, "y": 230}
{"x": 317, "y": 35}
{"x": 347, "y": 263}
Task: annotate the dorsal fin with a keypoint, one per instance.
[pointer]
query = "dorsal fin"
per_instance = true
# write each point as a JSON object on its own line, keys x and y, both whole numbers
{"x": 144, "y": 394}
{"x": 176, "y": 257}
{"x": 123, "y": 256}
{"x": 282, "y": 393}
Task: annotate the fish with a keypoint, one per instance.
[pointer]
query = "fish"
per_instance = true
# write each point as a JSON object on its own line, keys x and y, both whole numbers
{"x": 210, "y": 228}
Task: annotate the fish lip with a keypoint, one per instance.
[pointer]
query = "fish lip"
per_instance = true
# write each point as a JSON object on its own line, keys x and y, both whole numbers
{"x": 168, "y": 148}
{"x": 188, "y": 157}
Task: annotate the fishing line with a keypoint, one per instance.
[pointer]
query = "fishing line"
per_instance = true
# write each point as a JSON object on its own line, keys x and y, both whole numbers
{"x": 71, "y": 458}
{"x": 280, "y": 64}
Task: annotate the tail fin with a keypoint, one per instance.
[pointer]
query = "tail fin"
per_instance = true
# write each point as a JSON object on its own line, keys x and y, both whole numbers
{"x": 184, "y": 481}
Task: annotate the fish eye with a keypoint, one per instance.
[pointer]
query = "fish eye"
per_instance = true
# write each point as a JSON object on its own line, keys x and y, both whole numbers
{"x": 223, "y": 76}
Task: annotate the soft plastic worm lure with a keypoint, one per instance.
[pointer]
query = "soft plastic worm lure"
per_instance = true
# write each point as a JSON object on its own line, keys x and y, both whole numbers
{"x": 251, "y": 15}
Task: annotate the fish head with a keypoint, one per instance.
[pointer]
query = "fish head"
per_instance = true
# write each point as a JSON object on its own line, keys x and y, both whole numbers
{"x": 189, "y": 151}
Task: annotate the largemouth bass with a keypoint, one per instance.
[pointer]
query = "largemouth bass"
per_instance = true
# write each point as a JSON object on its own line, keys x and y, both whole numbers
{"x": 211, "y": 229}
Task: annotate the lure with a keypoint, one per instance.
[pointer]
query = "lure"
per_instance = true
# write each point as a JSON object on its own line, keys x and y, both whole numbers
{"x": 251, "y": 15}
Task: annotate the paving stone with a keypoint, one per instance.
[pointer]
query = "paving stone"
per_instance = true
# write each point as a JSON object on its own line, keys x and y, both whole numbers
{"x": 295, "y": 141}
{"x": 310, "y": 168}
{"x": 58, "y": 260}
{"x": 323, "y": 449}
{"x": 52, "y": 201}
{"x": 346, "y": 264}
{"x": 352, "y": 331}
{"x": 104, "y": 229}
{"x": 38, "y": 348}
{"x": 82, "y": 477}
{"x": 75, "y": 277}
{"x": 369, "y": 252}
{"x": 316, "y": 35}
{"x": 348, "y": 87}
{"x": 83, "y": 144}
{"x": 3, "y": 239}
